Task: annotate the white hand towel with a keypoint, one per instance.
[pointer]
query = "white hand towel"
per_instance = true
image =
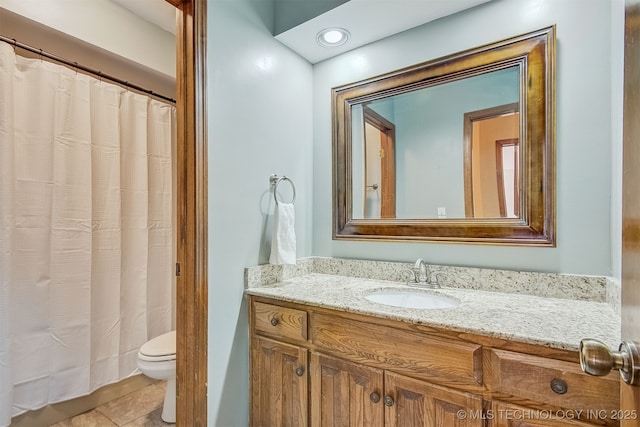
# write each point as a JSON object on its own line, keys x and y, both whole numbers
{"x": 283, "y": 240}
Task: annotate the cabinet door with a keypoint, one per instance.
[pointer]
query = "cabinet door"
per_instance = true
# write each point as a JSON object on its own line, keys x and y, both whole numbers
{"x": 279, "y": 384}
{"x": 345, "y": 394}
{"x": 413, "y": 403}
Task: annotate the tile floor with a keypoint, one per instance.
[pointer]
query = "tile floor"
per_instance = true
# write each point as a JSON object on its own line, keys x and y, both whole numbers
{"x": 141, "y": 408}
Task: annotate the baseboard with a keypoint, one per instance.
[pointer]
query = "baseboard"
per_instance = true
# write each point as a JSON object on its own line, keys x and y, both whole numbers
{"x": 57, "y": 412}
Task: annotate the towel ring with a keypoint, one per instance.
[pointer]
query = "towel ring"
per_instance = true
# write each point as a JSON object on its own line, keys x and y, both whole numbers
{"x": 275, "y": 180}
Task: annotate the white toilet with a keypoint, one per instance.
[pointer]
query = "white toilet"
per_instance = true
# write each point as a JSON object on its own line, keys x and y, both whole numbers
{"x": 157, "y": 359}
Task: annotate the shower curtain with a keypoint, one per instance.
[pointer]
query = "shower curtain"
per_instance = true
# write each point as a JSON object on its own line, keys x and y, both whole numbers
{"x": 86, "y": 231}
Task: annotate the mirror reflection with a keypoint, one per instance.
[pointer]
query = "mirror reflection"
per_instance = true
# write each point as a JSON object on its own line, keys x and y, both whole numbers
{"x": 456, "y": 149}
{"x": 448, "y": 150}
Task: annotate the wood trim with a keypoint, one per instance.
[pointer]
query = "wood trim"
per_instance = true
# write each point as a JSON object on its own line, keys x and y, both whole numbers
{"x": 629, "y": 401}
{"x": 176, "y": 3}
{"x": 629, "y": 395}
{"x": 500, "y": 144}
{"x": 500, "y": 180}
{"x": 388, "y": 169}
{"x": 191, "y": 294}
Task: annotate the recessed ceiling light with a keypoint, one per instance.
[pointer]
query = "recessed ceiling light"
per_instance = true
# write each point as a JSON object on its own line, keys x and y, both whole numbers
{"x": 330, "y": 37}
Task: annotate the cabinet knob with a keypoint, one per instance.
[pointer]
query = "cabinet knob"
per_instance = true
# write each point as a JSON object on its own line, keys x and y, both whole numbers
{"x": 375, "y": 397}
{"x": 559, "y": 386}
{"x": 597, "y": 359}
{"x": 388, "y": 401}
{"x": 274, "y": 321}
{"x": 300, "y": 372}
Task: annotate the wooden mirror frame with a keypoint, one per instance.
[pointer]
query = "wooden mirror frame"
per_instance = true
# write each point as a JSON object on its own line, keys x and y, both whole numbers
{"x": 534, "y": 53}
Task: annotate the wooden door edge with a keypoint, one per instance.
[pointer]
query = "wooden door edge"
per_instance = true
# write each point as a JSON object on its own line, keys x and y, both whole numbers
{"x": 191, "y": 286}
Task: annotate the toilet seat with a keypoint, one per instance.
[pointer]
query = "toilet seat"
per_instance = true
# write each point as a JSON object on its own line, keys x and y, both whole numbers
{"x": 159, "y": 349}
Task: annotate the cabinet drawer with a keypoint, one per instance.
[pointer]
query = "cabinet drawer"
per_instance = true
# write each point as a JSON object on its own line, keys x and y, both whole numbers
{"x": 280, "y": 322}
{"x": 552, "y": 382}
{"x": 406, "y": 352}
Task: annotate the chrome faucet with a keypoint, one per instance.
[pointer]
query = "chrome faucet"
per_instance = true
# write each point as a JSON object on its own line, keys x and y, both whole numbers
{"x": 421, "y": 276}
{"x": 420, "y": 270}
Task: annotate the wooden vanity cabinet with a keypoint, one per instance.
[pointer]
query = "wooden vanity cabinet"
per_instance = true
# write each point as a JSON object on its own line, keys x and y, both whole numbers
{"x": 345, "y": 393}
{"x": 553, "y": 384}
{"x": 279, "y": 384}
{"x": 419, "y": 403}
{"x": 279, "y": 378}
{"x": 319, "y": 367}
{"x": 351, "y": 394}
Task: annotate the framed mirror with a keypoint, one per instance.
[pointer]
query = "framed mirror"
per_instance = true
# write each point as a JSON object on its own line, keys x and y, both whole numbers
{"x": 457, "y": 149}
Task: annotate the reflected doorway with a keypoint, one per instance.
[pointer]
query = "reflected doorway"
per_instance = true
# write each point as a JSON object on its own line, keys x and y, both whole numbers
{"x": 380, "y": 166}
{"x": 492, "y": 162}
{"x": 507, "y": 173}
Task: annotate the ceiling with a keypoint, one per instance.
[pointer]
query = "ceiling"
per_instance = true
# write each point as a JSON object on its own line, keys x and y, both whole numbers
{"x": 157, "y": 12}
{"x": 367, "y": 21}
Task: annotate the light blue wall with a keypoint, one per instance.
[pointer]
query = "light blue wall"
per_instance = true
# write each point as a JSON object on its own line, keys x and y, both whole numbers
{"x": 585, "y": 113}
{"x": 430, "y": 141}
{"x": 617, "y": 78}
{"x": 260, "y": 122}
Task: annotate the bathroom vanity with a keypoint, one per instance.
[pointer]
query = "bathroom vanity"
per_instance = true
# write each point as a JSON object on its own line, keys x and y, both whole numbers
{"x": 322, "y": 354}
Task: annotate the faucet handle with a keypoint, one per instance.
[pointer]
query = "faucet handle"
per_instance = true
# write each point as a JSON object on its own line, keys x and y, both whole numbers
{"x": 435, "y": 279}
{"x": 414, "y": 276}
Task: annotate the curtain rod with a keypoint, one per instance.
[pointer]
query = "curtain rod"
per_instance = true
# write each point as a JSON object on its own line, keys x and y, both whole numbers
{"x": 75, "y": 65}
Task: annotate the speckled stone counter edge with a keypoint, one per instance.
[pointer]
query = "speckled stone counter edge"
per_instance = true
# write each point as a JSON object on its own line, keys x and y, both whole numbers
{"x": 550, "y": 285}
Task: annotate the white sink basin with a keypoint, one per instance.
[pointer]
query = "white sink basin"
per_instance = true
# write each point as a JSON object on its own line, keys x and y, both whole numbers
{"x": 412, "y": 299}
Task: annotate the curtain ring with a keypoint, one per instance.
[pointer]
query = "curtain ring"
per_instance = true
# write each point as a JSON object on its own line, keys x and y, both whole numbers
{"x": 275, "y": 180}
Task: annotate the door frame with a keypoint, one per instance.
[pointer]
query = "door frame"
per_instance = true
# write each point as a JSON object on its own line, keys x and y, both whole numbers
{"x": 500, "y": 144}
{"x": 469, "y": 118}
{"x": 191, "y": 266}
{"x": 388, "y": 162}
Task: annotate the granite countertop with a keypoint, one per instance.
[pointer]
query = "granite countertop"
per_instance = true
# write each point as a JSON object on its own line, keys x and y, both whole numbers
{"x": 551, "y": 322}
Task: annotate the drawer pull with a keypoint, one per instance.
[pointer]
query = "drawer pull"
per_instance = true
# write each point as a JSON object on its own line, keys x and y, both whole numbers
{"x": 274, "y": 321}
{"x": 559, "y": 386}
{"x": 300, "y": 372}
{"x": 388, "y": 401}
{"x": 375, "y": 397}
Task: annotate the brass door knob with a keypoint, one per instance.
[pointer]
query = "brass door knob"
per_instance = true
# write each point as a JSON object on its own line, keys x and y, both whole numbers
{"x": 596, "y": 358}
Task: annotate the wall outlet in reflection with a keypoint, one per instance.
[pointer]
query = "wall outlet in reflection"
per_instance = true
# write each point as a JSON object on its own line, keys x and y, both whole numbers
{"x": 442, "y": 212}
